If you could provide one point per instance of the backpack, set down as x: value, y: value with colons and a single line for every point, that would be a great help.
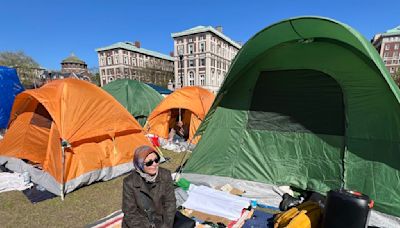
x: 305, y: 215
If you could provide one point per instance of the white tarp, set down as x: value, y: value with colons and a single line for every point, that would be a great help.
x: 271, y: 195
x: 13, y: 181
x: 215, y: 202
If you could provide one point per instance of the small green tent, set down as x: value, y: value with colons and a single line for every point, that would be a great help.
x: 137, y: 97
x: 307, y: 102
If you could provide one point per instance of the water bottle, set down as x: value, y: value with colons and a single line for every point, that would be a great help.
x: 253, y: 203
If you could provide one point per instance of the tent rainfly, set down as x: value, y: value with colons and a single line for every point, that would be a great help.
x: 137, y: 97
x: 10, y: 86
x: 69, y: 133
x: 307, y: 102
x: 190, y: 103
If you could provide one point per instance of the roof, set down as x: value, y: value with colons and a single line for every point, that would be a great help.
x: 73, y: 59
x: 200, y: 29
x: 131, y: 47
x: 391, y: 32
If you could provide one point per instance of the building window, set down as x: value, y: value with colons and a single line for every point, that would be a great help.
x: 191, y: 78
x: 202, y: 62
x: 125, y: 59
x: 116, y: 59
x: 180, y: 50
x: 212, y: 47
x: 396, y: 46
x: 191, y: 63
x: 102, y: 61
x: 202, y: 47
x: 385, y: 54
x: 133, y: 62
x: 387, y: 47
x: 212, y: 76
x: 213, y: 62
x: 190, y: 48
x: 109, y: 61
x: 202, y: 80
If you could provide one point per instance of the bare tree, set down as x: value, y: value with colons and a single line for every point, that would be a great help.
x: 26, y: 66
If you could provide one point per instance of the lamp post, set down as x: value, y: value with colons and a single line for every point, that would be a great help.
x: 181, y: 68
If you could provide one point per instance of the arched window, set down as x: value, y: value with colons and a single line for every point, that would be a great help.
x: 202, y: 80
x: 191, y: 78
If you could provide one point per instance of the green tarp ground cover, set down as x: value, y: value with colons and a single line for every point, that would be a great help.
x: 307, y: 102
x: 137, y: 97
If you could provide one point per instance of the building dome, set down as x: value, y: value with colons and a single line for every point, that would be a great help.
x: 73, y: 59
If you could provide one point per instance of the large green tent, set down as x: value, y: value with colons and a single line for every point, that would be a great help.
x: 307, y: 102
x: 137, y: 97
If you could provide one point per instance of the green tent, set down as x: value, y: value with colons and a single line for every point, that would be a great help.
x: 137, y: 97
x: 307, y: 102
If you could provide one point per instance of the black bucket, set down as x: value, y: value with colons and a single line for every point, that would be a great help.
x: 346, y: 209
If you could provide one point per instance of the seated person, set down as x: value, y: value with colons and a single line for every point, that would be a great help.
x: 179, y: 133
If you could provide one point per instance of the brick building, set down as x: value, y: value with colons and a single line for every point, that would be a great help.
x: 71, y: 67
x: 129, y: 60
x: 388, y: 46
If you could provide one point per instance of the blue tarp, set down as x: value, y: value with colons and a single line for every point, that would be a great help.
x: 10, y: 86
x: 159, y: 89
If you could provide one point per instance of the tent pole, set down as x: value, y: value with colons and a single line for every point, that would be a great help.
x: 180, y: 118
x: 62, y: 172
x: 64, y: 144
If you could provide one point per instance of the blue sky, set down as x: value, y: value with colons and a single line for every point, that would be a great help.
x: 49, y: 30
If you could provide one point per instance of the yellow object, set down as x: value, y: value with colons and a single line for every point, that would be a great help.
x: 306, y: 215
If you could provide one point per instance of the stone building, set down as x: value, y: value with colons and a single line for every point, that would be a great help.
x: 71, y: 67
x: 388, y: 46
x: 129, y: 60
x: 203, y: 55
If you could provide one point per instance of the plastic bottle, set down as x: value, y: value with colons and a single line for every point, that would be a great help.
x: 253, y: 203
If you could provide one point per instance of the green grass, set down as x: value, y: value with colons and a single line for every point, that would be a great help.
x: 81, y: 207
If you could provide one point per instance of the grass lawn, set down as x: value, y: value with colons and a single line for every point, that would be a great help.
x: 81, y: 207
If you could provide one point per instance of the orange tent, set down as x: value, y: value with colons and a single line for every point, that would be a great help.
x: 194, y: 103
x: 70, y: 133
